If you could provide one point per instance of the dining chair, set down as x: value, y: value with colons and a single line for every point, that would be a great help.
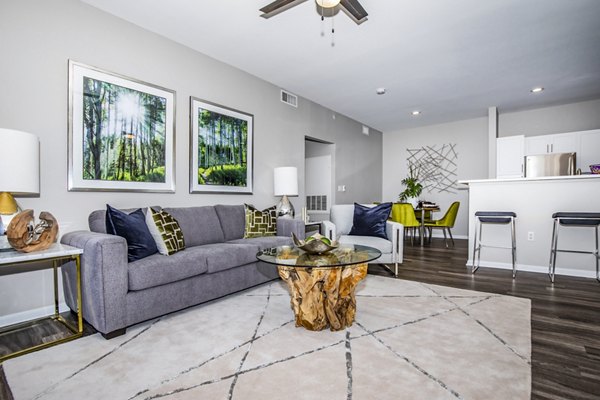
x: 445, y: 223
x: 404, y: 213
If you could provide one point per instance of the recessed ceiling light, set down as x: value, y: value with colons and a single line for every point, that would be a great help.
x: 537, y: 89
x: 380, y: 90
x: 416, y: 112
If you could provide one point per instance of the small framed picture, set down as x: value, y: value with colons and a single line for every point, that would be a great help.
x: 221, y: 141
x: 121, y: 133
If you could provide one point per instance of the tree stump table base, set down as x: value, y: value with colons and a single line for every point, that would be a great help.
x: 322, y: 297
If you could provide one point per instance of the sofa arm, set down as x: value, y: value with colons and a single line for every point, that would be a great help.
x: 328, y: 229
x: 285, y: 227
x: 395, y: 233
x: 103, y: 277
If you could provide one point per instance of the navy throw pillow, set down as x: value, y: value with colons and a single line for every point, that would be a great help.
x: 370, y: 221
x: 133, y: 228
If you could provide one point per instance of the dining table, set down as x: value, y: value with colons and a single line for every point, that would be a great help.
x: 423, y: 209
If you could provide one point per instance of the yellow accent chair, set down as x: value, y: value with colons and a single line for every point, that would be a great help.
x: 404, y: 213
x: 446, y: 222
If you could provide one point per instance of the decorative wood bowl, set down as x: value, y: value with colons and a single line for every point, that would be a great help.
x: 25, y: 235
x: 314, y: 246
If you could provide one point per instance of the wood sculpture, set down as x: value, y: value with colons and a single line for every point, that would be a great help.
x: 322, y: 297
x: 25, y: 235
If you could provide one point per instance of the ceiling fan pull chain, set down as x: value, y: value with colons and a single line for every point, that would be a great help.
x: 322, y: 23
x: 332, y: 31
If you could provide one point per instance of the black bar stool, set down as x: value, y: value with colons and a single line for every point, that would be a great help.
x: 581, y: 219
x: 494, y: 217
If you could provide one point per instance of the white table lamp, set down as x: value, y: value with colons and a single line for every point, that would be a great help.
x: 285, y: 183
x: 19, y: 172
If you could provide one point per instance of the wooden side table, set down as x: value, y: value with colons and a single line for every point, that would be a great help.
x: 58, y: 255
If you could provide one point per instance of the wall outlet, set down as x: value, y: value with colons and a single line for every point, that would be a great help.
x: 530, y: 236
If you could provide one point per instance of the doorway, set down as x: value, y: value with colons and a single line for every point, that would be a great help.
x: 318, y: 178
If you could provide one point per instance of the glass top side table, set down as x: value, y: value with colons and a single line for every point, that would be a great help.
x: 56, y: 255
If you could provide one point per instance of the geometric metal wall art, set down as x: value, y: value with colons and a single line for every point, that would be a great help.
x: 436, y: 167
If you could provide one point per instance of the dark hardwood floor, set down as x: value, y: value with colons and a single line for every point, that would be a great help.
x: 565, y: 317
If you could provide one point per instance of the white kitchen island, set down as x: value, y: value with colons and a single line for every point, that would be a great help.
x: 535, y: 200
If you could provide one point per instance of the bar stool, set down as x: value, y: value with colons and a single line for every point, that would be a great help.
x: 581, y: 219
x: 494, y: 217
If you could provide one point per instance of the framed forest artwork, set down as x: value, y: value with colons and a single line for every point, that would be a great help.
x: 121, y: 133
x: 221, y: 148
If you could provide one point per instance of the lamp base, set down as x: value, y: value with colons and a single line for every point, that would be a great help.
x: 285, y: 208
x: 8, y: 204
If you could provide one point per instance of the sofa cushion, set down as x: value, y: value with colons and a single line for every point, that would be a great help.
x: 165, y: 231
x: 383, y: 245
x: 260, y: 223
x: 133, y: 228
x: 233, y: 220
x: 370, y: 221
x: 264, y: 242
x: 200, y: 225
x: 97, y: 218
x: 158, y: 270
x: 220, y: 257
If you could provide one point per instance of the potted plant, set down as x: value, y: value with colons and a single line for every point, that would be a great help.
x: 413, y: 188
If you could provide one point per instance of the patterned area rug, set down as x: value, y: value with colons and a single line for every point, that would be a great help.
x: 410, y: 340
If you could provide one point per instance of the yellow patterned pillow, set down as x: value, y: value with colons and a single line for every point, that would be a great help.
x: 260, y: 223
x: 166, y: 232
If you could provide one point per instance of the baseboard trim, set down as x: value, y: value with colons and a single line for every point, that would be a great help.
x: 581, y: 273
x: 29, y: 315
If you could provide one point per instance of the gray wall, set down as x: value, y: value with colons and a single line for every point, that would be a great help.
x: 38, y: 37
x: 581, y: 116
x: 470, y: 137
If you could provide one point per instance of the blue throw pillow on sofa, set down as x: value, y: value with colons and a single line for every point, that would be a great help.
x: 133, y: 228
x: 370, y: 221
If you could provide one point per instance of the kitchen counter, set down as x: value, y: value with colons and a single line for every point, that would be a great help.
x: 539, y: 178
x: 534, y: 200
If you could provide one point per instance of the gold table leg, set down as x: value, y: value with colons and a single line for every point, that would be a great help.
x: 76, y: 331
x: 322, y: 297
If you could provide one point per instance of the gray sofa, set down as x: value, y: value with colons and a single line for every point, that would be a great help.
x: 217, y: 261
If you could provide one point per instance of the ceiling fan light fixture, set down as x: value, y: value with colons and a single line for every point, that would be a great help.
x: 328, y: 3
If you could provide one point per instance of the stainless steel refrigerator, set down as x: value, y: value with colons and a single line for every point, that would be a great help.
x: 550, y: 165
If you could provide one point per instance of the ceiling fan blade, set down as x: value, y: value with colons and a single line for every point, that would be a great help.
x: 354, y: 10
x: 278, y: 6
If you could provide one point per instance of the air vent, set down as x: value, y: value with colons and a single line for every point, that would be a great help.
x: 316, y: 203
x: 289, y: 98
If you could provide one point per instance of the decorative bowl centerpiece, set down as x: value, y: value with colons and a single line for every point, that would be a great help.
x: 595, y: 168
x: 315, y: 244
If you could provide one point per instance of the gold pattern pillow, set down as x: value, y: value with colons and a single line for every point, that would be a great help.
x: 260, y: 223
x: 166, y: 232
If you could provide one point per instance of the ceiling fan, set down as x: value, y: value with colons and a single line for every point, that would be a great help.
x: 351, y: 7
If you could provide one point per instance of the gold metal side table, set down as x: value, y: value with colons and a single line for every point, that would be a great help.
x: 56, y: 255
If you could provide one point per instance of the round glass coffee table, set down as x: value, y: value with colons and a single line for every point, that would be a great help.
x: 322, y: 285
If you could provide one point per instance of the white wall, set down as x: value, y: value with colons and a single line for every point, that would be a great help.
x: 534, y: 201
x: 38, y: 37
x: 470, y: 137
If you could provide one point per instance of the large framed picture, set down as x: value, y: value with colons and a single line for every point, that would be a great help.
x: 121, y: 133
x: 221, y: 148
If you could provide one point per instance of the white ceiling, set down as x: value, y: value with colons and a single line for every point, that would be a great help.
x: 451, y: 59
